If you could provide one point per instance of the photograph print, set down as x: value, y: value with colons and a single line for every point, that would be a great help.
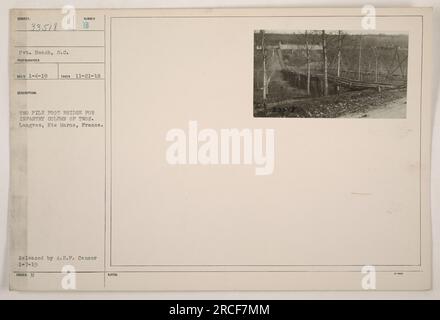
x: 330, y: 74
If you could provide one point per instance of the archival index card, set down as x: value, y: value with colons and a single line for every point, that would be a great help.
x: 220, y: 149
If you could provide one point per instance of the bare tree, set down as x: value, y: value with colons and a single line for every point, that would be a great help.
x: 338, y: 71
x: 376, y: 77
x: 263, y: 49
x: 360, y: 58
x: 324, y: 61
x: 308, y: 62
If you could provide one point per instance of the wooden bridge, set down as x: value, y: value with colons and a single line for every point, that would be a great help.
x: 273, y: 61
x: 351, y: 83
x: 348, y: 82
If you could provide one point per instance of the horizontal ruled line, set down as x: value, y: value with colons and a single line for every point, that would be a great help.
x: 26, y: 46
x: 36, y: 62
x: 61, y: 79
x: 59, y: 30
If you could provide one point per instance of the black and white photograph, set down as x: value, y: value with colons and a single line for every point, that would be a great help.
x: 213, y: 157
x: 330, y: 74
